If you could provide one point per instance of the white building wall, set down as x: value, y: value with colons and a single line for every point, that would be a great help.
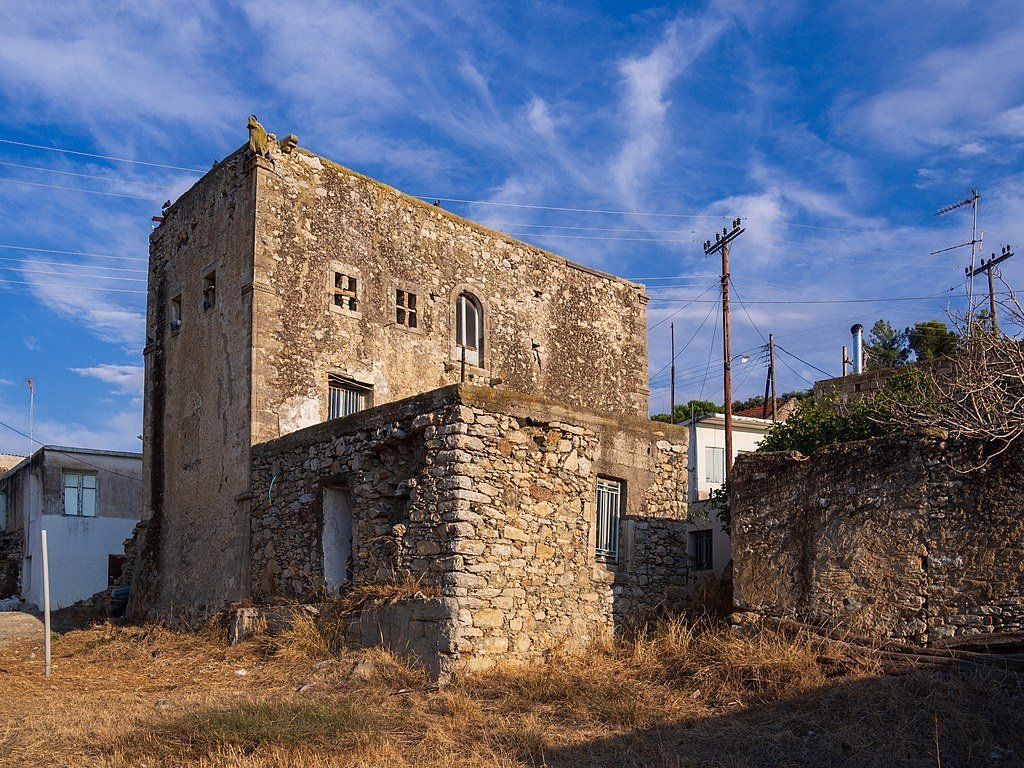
x: 747, y: 434
x: 78, y: 548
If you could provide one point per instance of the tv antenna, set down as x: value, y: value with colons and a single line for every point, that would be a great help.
x: 974, y: 242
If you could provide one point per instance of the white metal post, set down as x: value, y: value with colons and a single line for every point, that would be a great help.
x: 46, y: 603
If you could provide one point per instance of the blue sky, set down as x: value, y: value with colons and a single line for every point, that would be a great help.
x: 835, y: 130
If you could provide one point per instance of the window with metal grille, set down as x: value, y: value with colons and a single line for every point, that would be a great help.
x: 80, y: 494
x: 346, y: 396
x: 700, y: 550
x: 469, y: 329
x: 210, y: 290
x: 346, y: 291
x: 405, y: 309
x: 609, y: 512
x: 714, y: 464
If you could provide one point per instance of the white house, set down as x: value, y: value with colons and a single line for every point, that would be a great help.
x: 87, y: 501
x: 709, y: 544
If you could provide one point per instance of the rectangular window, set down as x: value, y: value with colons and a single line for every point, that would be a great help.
x: 176, y: 313
x: 346, y: 292
x: 714, y: 465
x: 405, y: 309
x: 80, y: 494
x: 210, y: 290
x: 347, y: 396
x: 609, y: 512
x: 700, y: 550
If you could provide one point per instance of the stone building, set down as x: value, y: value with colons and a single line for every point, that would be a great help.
x: 87, y: 501
x: 287, y: 294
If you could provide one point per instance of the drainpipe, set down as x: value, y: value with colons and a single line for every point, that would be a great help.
x: 858, y: 348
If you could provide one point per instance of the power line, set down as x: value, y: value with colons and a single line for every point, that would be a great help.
x: 100, y: 157
x: 809, y: 365
x: 798, y: 375
x: 818, y: 301
x: 77, y: 457
x: 72, y: 253
x: 677, y: 354
x: 571, y: 210
x: 79, y: 189
x: 71, y: 264
x: 72, y: 274
x: 680, y: 309
x: 70, y: 288
x: 113, y: 179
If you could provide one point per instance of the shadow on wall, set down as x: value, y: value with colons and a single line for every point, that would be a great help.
x: 894, y: 721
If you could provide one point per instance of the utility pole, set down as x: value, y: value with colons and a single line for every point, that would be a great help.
x: 672, y: 397
x: 721, y: 245
x: 31, y: 413
x: 771, y: 369
x: 987, y: 266
x: 974, y: 242
x: 846, y: 360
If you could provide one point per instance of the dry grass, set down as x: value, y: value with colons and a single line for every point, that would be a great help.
x: 676, y: 694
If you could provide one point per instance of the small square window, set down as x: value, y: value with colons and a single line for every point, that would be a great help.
x: 701, y: 550
x: 210, y: 291
x: 175, y: 319
x: 406, y: 312
x: 345, y: 292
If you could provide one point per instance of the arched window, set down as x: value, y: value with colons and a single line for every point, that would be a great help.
x: 469, y: 329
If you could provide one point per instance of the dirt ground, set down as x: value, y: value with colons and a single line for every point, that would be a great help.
x: 15, y: 626
x: 679, y: 695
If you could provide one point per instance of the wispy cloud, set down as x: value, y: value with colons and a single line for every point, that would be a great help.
x: 126, y: 379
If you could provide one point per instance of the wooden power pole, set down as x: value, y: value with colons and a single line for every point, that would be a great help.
x: 986, y: 266
x: 771, y: 369
x: 672, y: 397
x: 721, y: 245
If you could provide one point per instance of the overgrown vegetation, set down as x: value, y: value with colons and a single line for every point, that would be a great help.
x: 676, y: 693
x: 887, y: 347
x: 826, y: 422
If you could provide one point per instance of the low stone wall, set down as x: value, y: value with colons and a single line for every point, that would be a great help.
x: 894, y: 537
x: 489, y: 498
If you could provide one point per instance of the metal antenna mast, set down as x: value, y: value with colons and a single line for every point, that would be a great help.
x: 721, y: 245
x: 974, y: 242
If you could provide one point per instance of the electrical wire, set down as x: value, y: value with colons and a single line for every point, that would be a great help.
x: 84, y: 175
x: 100, y: 157
x: 73, y: 274
x: 680, y: 309
x: 677, y: 354
x: 809, y: 365
x: 69, y: 288
x: 77, y: 457
x: 572, y: 210
x: 78, y: 189
x: 72, y: 253
x: 70, y: 264
x: 820, y: 301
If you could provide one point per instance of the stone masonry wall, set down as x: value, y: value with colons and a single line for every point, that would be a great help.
x: 894, y: 537
x: 489, y: 498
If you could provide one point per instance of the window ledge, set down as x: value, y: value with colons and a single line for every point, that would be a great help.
x: 342, y: 311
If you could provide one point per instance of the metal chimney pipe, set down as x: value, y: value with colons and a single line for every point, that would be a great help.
x: 858, y: 348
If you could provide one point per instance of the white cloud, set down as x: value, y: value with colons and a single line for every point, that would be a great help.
x: 644, y: 104
x: 110, y: 430
x: 126, y: 379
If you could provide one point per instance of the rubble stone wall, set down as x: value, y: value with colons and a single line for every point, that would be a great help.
x: 489, y: 498
x: 902, y: 538
x: 11, y: 553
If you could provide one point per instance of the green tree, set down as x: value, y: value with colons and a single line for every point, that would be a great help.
x: 931, y: 338
x: 683, y: 411
x: 886, y: 347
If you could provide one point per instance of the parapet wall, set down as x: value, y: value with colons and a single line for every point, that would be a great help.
x: 489, y: 499
x: 893, y: 537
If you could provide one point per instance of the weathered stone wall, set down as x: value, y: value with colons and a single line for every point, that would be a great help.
x: 488, y: 497
x: 867, y: 384
x: 552, y: 328
x: 893, y: 537
x: 197, y: 399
